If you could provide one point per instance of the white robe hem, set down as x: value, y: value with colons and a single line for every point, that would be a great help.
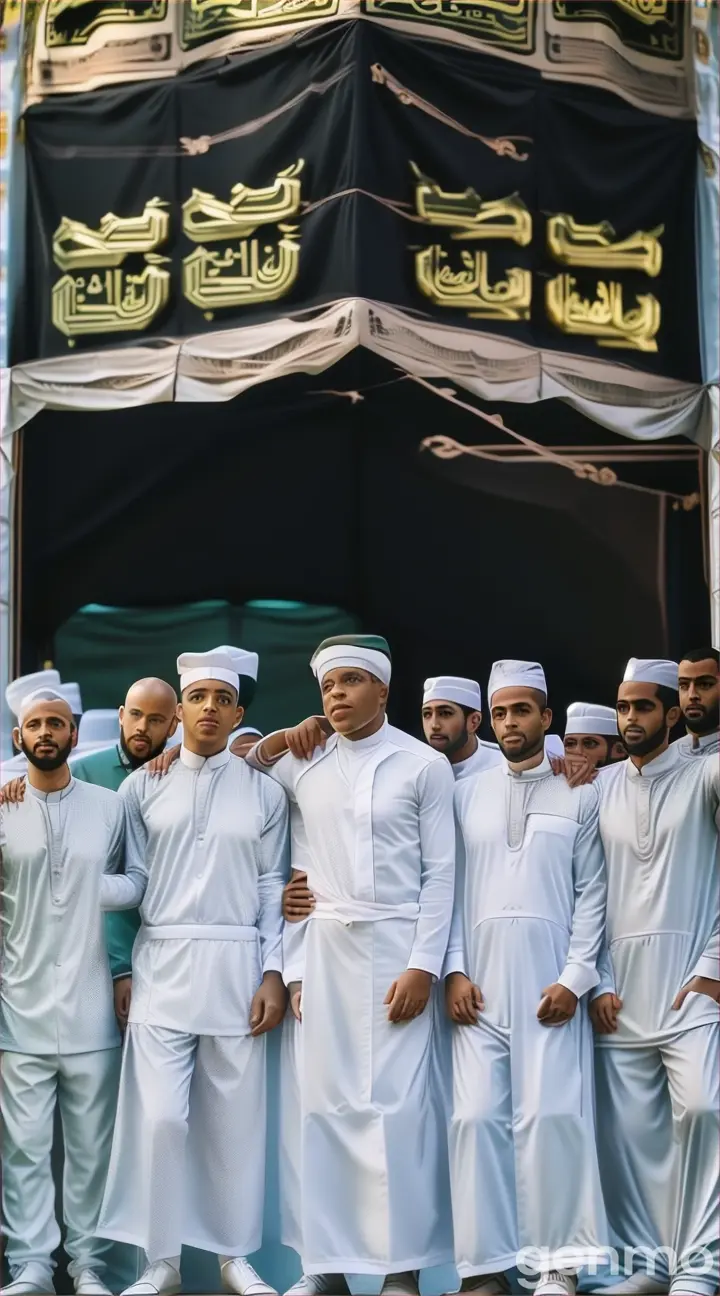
x: 214, y: 1248
x: 658, y: 1037
x: 376, y: 1268
x: 499, y: 1265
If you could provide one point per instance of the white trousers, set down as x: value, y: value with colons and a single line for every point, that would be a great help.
x: 84, y: 1086
x: 523, y: 1162
x: 290, y: 1133
x: 659, y: 1141
x: 188, y: 1156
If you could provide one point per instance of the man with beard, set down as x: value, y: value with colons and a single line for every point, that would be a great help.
x: 451, y: 717
x: 58, y: 1035
x: 527, y: 930
x: 656, y: 1007
x: 17, y: 690
x: 591, y: 732
x: 699, y: 689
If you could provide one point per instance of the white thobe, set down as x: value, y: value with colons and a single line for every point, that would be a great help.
x: 657, y: 1076
x: 486, y: 756
x: 529, y: 910
x: 188, y: 1159
x: 290, y: 1069
x: 707, y: 745
x: 379, y: 823
x: 58, y: 1034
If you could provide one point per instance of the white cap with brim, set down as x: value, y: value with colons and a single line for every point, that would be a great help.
x: 33, y: 699
x: 591, y: 718
x: 71, y: 693
x: 453, y: 688
x: 22, y: 687
x: 224, y: 664
x: 99, y: 727
x: 652, y: 670
x: 510, y: 673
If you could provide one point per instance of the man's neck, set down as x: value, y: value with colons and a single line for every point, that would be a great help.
x: 467, y: 750
x: 367, y: 731
x: 532, y: 762
x: 202, y: 749
x: 48, y: 780
x: 641, y: 761
x: 696, y: 737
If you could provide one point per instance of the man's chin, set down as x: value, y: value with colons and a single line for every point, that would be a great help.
x: 701, y: 724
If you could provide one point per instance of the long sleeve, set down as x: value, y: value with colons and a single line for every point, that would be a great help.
x: 437, y: 853
x: 274, y: 873
x: 456, y: 959
x: 708, y: 965
x: 126, y: 890
x: 606, y: 983
x: 580, y: 973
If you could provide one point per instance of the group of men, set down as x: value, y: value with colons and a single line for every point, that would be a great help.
x: 497, y: 973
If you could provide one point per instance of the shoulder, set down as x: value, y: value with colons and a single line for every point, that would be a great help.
x: 270, y: 792
x: 138, y: 783
x: 106, y: 801
x: 419, y: 751
x: 488, y: 782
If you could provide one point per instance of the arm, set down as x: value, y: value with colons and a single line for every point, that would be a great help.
x: 606, y: 983
x: 121, y: 928
x: 274, y: 870
x: 301, y: 742
x: 293, y: 941
x: 126, y: 890
x: 437, y: 862
x: 455, y: 959
x: 580, y: 973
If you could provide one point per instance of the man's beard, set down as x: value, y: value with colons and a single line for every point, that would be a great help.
x: 648, y: 744
x: 707, y: 723
x: 48, y: 763
x: 530, y: 748
x: 455, y: 744
x: 137, y: 761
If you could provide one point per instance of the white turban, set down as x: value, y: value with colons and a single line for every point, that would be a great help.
x: 32, y: 699
x: 225, y: 664
x: 516, y: 674
x: 21, y: 688
x: 652, y: 670
x: 338, y: 655
x: 591, y: 718
x: 453, y: 688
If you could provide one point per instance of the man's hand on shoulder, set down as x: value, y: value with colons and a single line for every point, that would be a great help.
x: 160, y: 765
x: 577, y: 770
x: 303, y: 740
x: 13, y: 792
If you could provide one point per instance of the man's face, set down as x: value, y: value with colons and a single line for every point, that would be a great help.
x: 597, y: 749
x: 446, y: 727
x: 352, y: 698
x: 48, y: 735
x: 519, y: 723
x: 147, y: 720
x: 699, y: 686
x: 642, y: 722
x: 210, y: 712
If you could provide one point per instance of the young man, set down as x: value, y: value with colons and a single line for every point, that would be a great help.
x: 17, y: 690
x: 527, y: 930
x: 376, y: 808
x: 210, y: 841
x: 451, y: 717
x: 58, y: 1035
x: 656, y: 1007
x: 591, y: 731
x: 699, y: 689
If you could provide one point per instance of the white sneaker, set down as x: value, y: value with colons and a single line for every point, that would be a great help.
x: 487, y: 1284
x: 159, y: 1279
x: 401, y: 1284
x: 638, y: 1284
x: 32, y: 1278
x: 319, y: 1285
x: 239, y: 1276
x: 556, y: 1283
x: 87, y: 1283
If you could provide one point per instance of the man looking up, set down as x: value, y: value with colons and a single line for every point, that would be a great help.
x: 376, y: 809
x: 210, y: 842
x: 451, y: 717
x: 58, y: 1036
x: 527, y: 929
x: 699, y: 689
x: 655, y: 1009
x: 591, y: 731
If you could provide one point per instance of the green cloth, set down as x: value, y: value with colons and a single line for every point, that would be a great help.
x: 107, y: 769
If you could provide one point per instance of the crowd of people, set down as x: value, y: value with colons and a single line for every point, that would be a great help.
x: 496, y: 969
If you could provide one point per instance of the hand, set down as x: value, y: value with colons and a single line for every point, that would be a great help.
x: 557, y: 1006
x: 577, y: 770
x: 161, y: 764
x: 13, y: 792
x: 306, y: 737
x: 699, y: 985
x: 603, y: 1013
x: 463, y: 999
x: 268, y: 1006
x: 122, y: 994
x: 298, y: 900
x: 242, y: 745
x: 295, y: 992
x: 408, y: 996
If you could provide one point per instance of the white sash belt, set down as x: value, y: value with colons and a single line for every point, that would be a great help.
x: 350, y: 911
x: 201, y: 931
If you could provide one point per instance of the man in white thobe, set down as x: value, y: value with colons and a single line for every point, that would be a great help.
x: 210, y: 839
x: 451, y: 717
x: 527, y: 930
x: 376, y: 807
x: 58, y: 1035
x: 699, y: 690
x: 655, y: 1008
x: 17, y: 690
x: 591, y: 732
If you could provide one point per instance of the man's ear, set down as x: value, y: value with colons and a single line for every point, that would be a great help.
x: 673, y: 717
x: 75, y: 735
x: 546, y: 719
x: 474, y: 721
x: 16, y: 739
x: 173, y: 725
x: 384, y: 693
x: 239, y: 713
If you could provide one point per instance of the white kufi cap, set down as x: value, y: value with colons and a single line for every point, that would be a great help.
x: 453, y: 688
x: 71, y: 693
x: 20, y: 688
x: 99, y: 727
x: 225, y: 664
x: 37, y: 695
x: 510, y: 673
x: 651, y: 670
x: 591, y: 718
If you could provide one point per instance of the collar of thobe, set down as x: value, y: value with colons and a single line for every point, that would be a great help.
x: 50, y: 797
x: 697, y: 744
x: 660, y: 765
x: 528, y: 775
x: 195, y: 762
x: 361, y: 745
